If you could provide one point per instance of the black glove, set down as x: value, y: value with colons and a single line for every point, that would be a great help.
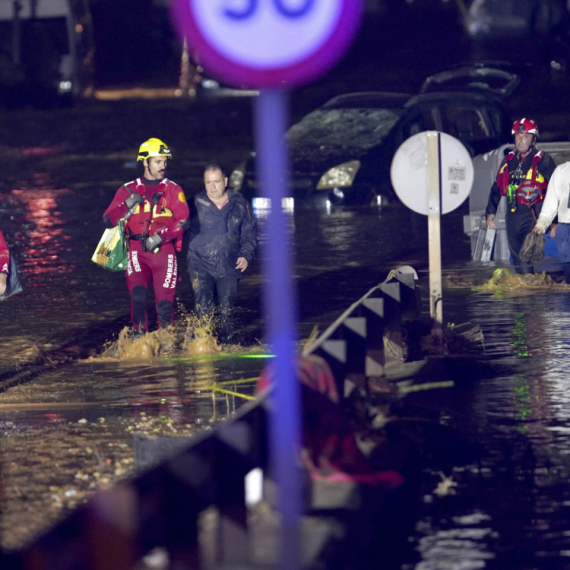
x: 134, y: 200
x: 151, y: 242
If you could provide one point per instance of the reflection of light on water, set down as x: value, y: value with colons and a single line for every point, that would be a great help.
x: 40, y: 151
x: 262, y: 206
x: 262, y: 211
x: 521, y: 333
x: 342, y: 234
x: 555, y: 376
x: 463, y: 547
x: 46, y: 236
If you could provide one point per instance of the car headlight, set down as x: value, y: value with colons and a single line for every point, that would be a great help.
x: 65, y: 86
x: 210, y: 84
x: 340, y: 176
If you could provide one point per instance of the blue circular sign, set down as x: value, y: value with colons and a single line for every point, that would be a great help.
x: 267, y: 43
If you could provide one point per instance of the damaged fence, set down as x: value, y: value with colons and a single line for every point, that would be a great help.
x: 188, y: 498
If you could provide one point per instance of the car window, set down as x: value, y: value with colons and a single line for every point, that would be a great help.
x: 465, y: 123
x: 496, y: 120
x: 344, y: 127
x: 426, y: 120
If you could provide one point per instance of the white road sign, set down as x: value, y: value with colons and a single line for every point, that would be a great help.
x: 409, y: 173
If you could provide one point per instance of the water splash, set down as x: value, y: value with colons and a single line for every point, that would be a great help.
x: 200, y: 337
x: 127, y: 347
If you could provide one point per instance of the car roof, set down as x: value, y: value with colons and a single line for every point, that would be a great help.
x: 368, y: 99
x: 382, y: 100
x: 456, y: 96
x: 497, y: 78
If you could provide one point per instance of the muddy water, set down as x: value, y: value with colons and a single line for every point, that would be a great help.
x: 69, y: 408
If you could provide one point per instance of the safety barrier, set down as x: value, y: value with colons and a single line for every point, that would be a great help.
x: 163, y: 505
x: 367, y: 339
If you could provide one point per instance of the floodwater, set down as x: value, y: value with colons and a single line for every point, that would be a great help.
x: 509, y: 508
x: 68, y: 410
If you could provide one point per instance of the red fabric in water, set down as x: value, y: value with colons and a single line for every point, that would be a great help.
x: 330, y: 451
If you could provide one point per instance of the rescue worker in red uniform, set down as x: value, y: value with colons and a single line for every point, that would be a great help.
x: 523, y: 178
x: 157, y: 215
x: 4, y: 264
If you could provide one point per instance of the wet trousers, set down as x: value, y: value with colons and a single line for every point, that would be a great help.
x: 563, y: 245
x: 215, y: 297
x: 161, y: 270
x: 519, y: 224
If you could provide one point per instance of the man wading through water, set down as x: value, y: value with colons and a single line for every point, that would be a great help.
x: 157, y: 217
x: 523, y: 178
x: 222, y: 243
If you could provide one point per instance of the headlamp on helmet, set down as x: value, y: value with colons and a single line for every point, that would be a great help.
x: 153, y: 147
x: 525, y: 126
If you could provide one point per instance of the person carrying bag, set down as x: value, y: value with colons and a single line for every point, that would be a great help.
x: 157, y: 215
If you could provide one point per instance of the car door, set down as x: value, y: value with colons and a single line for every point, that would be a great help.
x: 420, y: 119
x: 470, y: 124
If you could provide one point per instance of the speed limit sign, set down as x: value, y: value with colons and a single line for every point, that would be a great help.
x: 267, y: 43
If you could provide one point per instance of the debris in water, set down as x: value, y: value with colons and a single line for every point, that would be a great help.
x: 445, y: 486
x: 506, y: 281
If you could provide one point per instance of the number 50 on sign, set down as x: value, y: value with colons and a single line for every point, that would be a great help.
x: 267, y: 43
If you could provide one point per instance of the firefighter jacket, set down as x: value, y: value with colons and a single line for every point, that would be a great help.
x: 4, y: 256
x: 164, y: 210
x: 217, y: 237
x: 530, y: 176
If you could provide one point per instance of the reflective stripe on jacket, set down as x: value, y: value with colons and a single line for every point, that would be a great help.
x: 532, y: 179
x: 4, y: 255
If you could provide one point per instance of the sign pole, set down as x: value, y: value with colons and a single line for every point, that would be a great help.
x: 280, y: 309
x: 417, y: 177
x: 434, y: 230
x: 249, y: 44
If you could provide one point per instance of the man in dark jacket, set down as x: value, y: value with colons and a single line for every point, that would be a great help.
x: 223, y: 240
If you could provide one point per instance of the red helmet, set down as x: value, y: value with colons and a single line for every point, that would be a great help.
x: 525, y: 126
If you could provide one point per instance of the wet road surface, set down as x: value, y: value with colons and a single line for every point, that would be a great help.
x: 67, y: 414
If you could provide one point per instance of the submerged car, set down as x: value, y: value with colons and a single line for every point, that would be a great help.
x: 342, y: 151
x: 490, y: 20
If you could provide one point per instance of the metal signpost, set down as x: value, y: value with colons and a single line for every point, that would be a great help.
x: 273, y: 45
x: 432, y: 174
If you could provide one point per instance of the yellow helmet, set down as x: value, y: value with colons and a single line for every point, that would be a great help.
x: 153, y: 147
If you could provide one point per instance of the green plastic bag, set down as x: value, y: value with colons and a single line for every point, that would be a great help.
x: 111, y: 251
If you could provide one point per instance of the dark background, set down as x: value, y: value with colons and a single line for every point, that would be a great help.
x: 135, y: 41
x: 399, y: 44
